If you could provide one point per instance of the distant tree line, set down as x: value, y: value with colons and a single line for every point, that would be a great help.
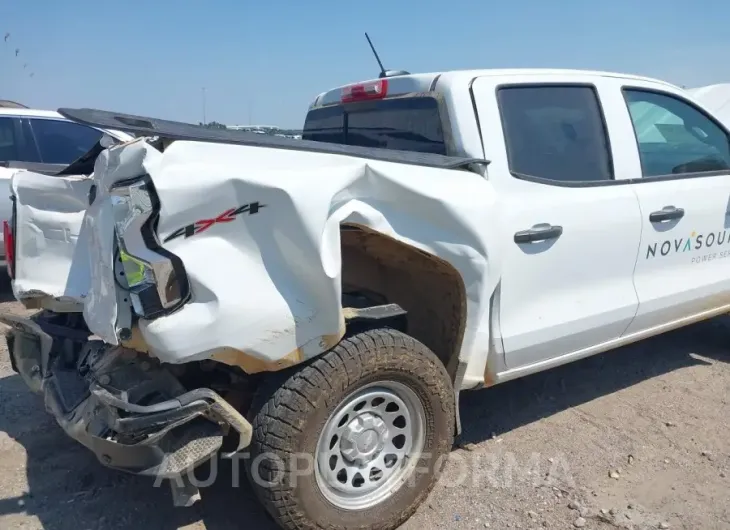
x: 270, y: 131
x: 290, y: 132
x: 213, y: 125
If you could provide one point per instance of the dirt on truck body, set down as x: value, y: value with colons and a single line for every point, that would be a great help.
x: 325, y: 302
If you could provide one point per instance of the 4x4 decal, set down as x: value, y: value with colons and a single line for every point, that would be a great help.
x: 226, y: 217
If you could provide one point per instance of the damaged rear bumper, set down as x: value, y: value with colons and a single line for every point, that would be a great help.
x: 133, y: 414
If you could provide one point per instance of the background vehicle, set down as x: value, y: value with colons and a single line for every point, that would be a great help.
x: 42, y: 140
x: 454, y: 231
x: 715, y: 98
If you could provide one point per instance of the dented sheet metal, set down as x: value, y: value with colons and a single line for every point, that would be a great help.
x: 49, y: 216
x: 258, y: 231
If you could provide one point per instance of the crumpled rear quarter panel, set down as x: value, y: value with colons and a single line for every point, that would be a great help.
x: 268, y: 283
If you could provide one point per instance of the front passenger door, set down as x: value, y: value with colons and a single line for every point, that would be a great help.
x: 683, y: 268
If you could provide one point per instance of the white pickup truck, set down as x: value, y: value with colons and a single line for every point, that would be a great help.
x: 330, y: 298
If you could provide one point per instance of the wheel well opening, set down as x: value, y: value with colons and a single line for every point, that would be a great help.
x: 428, y: 288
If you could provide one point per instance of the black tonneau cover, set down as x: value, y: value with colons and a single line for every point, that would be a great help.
x: 140, y: 125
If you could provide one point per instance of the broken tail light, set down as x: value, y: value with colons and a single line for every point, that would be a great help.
x: 154, y: 277
x: 9, y: 242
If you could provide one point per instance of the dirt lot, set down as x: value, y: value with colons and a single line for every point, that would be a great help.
x: 637, y: 438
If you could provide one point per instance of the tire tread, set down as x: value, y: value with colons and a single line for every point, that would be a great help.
x: 282, y: 407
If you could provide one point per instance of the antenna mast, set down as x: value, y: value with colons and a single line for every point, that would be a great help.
x: 377, y: 58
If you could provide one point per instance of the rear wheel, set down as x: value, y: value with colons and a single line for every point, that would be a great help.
x: 357, y: 438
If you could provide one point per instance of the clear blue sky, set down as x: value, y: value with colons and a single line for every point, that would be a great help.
x: 273, y: 56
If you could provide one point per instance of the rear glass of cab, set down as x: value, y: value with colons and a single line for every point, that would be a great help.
x: 406, y: 124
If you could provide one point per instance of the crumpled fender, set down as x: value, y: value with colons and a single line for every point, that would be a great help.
x: 52, y: 269
x: 258, y: 232
x: 266, y: 283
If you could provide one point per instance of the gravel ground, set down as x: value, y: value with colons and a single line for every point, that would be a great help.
x: 636, y: 438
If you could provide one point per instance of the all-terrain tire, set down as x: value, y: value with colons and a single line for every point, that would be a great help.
x: 288, y: 417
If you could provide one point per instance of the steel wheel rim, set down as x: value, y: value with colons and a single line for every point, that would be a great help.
x: 370, y: 445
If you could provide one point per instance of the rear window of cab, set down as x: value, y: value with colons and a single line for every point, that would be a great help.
x: 405, y: 123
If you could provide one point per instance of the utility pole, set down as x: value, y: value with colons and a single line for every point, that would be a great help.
x: 204, y: 106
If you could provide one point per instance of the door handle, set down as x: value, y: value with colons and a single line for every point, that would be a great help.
x: 668, y: 213
x: 540, y: 232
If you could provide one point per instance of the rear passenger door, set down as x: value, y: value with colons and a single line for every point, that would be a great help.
x: 571, y: 223
x: 683, y: 268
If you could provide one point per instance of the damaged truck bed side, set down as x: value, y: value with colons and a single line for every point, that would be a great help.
x: 331, y: 298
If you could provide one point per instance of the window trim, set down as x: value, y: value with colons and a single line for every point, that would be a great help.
x: 706, y: 114
x: 476, y: 115
x: 359, y: 106
x: 604, y: 126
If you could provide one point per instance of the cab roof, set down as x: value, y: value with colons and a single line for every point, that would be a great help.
x: 426, y: 82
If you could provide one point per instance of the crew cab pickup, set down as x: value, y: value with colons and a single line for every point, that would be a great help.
x: 322, y: 303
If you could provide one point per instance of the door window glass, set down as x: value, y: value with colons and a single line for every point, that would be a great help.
x: 674, y: 137
x: 555, y: 133
x: 62, y: 142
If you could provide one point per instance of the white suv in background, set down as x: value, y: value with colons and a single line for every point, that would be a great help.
x: 42, y: 137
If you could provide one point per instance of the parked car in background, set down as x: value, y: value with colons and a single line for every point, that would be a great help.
x: 715, y: 98
x: 40, y: 140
